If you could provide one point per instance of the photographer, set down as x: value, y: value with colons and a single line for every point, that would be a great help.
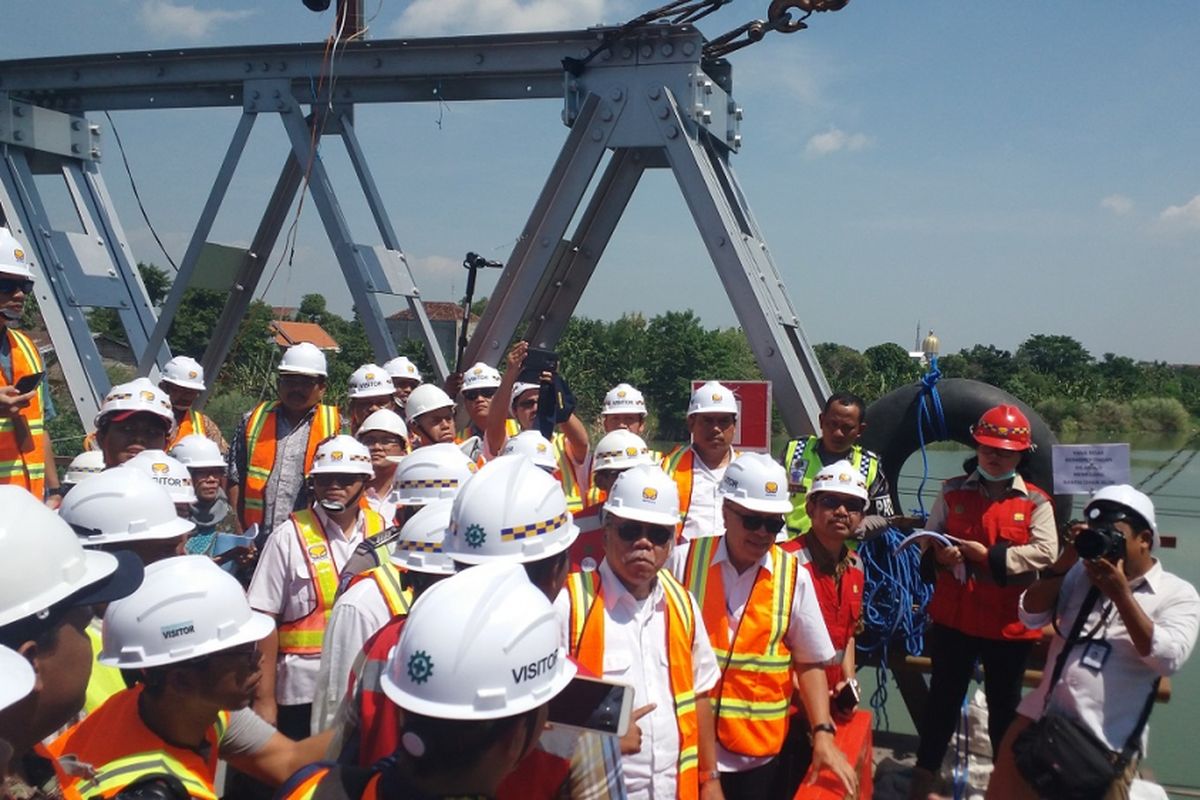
x: 1126, y: 622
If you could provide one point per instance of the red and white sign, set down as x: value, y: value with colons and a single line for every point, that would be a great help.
x: 753, y: 431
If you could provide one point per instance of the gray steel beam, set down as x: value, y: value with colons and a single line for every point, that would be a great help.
x: 552, y: 213
x: 375, y: 201
x: 572, y: 272
x: 330, y: 211
x: 207, y: 216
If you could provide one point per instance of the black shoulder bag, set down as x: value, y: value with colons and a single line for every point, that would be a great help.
x: 1059, y: 757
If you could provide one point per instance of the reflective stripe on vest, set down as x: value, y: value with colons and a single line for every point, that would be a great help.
x: 566, y: 471
x: 586, y: 633
x: 387, y: 580
x: 261, y: 445
x: 678, y: 464
x: 803, y: 463
x: 751, y: 705
x: 305, y: 635
x: 24, y: 464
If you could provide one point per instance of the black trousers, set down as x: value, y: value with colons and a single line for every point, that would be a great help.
x: 753, y: 784
x: 953, y: 655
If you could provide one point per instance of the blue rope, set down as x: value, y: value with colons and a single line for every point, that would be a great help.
x: 935, y: 420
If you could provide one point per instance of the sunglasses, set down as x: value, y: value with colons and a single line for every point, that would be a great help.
x: 753, y: 522
x: 658, y: 535
x: 475, y: 394
x: 854, y: 505
x: 340, y: 478
x: 12, y: 285
x: 527, y: 403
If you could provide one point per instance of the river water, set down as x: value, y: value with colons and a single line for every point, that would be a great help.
x: 1172, y: 751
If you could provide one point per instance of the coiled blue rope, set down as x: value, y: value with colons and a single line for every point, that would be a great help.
x: 929, y: 413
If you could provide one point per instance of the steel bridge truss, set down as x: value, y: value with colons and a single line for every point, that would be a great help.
x: 648, y: 100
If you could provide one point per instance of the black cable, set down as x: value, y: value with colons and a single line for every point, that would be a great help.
x: 137, y: 195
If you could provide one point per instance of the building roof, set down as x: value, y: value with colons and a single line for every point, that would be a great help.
x: 283, y: 312
x: 437, y: 310
x: 290, y: 333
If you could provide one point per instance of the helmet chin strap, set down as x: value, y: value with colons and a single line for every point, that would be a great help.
x: 333, y: 506
x: 10, y: 315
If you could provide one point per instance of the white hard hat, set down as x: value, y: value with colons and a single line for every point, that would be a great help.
x: 483, y: 644
x: 623, y: 399
x: 304, y: 358
x: 186, y: 607
x: 196, y: 451
x: 419, y: 548
x: 137, y: 395
x: 520, y: 388
x: 185, y: 372
x: 645, y: 494
x: 757, y: 482
x: 713, y: 398
x: 620, y: 449
x: 169, y: 473
x: 369, y: 380
x: 426, y: 398
x: 122, y: 505
x: 841, y: 477
x: 510, y: 510
x: 44, y: 562
x: 1125, y: 495
x: 434, y: 472
x: 401, y: 367
x: 481, y: 376
x: 16, y: 675
x: 12, y: 256
x: 534, y: 445
x: 84, y: 465
x: 384, y: 420
x: 342, y: 455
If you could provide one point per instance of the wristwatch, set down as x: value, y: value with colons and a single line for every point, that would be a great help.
x: 824, y: 727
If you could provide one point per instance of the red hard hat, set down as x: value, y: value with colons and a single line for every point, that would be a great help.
x: 1003, y: 427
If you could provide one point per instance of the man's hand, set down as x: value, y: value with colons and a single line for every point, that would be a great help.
x: 975, y: 552
x: 516, y: 356
x: 1108, y: 577
x: 840, y: 715
x: 12, y: 401
x: 711, y: 790
x: 53, y: 502
x: 826, y: 754
x: 947, y: 555
x: 453, y: 384
x: 631, y: 742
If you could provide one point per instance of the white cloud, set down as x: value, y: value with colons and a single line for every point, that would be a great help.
x: 834, y: 140
x: 1118, y: 204
x: 168, y: 20
x: 1186, y: 215
x: 432, y: 17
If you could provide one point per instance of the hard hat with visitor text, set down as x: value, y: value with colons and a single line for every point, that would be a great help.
x: 120, y: 505
x: 169, y: 473
x: 369, y: 380
x: 623, y: 399
x: 480, y: 376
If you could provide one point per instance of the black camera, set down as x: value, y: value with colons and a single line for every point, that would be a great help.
x: 1100, y: 542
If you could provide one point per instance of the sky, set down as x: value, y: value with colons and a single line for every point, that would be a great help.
x: 987, y: 170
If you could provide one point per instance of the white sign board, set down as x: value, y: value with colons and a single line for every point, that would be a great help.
x: 1084, y: 468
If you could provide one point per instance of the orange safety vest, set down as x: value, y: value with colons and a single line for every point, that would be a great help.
x: 981, y: 607
x: 566, y: 473
x: 193, y: 422
x: 121, y: 750
x: 304, y: 636
x: 260, y: 444
x: 679, y: 464
x: 23, y: 463
x: 387, y: 580
x: 752, y: 695
x: 587, y: 647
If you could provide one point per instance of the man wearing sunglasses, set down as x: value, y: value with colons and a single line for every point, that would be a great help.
x: 479, y: 385
x: 25, y: 448
x: 631, y: 621
x: 698, y: 467
x: 296, y: 580
x: 189, y: 639
x: 746, y: 586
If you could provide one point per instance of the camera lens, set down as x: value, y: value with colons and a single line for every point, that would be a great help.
x: 1091, y: 543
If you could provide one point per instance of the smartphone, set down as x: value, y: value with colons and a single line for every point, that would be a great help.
x: 29, y: 382
x: 538, y: 361
x: 847, y: 699
x: 590, y: 704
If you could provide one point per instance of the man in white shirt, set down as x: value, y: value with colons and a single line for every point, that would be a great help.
x: 297, y: 579
x: 698, y: 468
x: 1141, y: 625
x: 632, y: 622
x: 745, y: 584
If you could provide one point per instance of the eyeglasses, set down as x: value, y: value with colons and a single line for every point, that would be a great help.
x: 658, y: 535
x: 341, y: 478
x: 527, y: 403
x: 855, y: 505
x: 475, y: 394
x: 753, y: 522
x: 14, y: 285
x: 292, y: 379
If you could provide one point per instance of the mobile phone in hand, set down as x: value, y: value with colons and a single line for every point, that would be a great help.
x: 29, y: 382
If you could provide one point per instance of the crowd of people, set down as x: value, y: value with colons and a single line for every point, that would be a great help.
x: 381, y: 603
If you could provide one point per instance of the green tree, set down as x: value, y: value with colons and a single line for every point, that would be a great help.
x: 989, y: 364
x: 312, y: 309
x: 1059, y: 357
x: 846, y: 369
x: 891, y: 368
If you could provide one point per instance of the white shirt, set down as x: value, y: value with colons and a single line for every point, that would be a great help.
x: 1108, y: 701
x: 282, y: 586
x: 381, y: 505
x: 807, y: 636
x: 359, y: 612
x: 635, y: 653
x: 704, y: 511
